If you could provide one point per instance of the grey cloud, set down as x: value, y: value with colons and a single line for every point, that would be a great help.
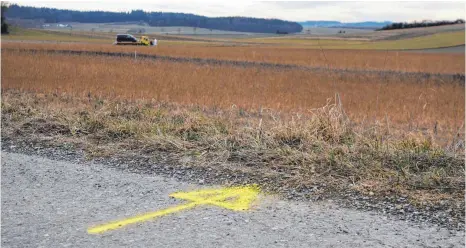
x: 299, y: 4
x: 288, y: 10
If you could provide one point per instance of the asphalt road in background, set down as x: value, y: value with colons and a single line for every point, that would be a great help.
x: 49, y: 203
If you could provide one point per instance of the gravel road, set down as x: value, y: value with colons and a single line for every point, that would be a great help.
x: 48, y: 203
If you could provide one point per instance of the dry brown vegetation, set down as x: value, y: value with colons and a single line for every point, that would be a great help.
x: 341, y: 59
x: 324, y: 150
x: 400, y: 101
x: 379, y: 133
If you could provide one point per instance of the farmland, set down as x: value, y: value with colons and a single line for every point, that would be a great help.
x: 333, y: 59
x: 50, y: 36
x: 377, y: 123
x: 424, y: 38
x: 248, y: 88
x: 425, y: 41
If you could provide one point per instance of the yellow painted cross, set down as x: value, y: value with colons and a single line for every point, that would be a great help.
x: 233, y: 198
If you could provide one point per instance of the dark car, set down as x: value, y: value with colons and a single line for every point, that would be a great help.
x: 125, y: 38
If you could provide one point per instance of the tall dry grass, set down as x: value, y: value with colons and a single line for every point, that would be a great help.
x: 324, y: 150
x: 284, y: 129
x: 408, y: 102
x: 341, y: 59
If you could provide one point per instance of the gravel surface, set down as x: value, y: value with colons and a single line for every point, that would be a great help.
x: 442, y: 215
x: 48, y: 203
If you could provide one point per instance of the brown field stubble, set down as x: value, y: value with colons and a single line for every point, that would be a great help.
x: 340, y: 59
x: 400, y: 102
x: 225, y: 118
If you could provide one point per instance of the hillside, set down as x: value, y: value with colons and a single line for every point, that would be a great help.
x: 422, y: 24
x: 161, y: 19
x: 337, y: 24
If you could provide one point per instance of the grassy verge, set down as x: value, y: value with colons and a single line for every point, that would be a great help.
x: 396, y: 136
x: 324, y: 149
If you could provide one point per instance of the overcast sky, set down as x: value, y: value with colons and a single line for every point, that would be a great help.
x: 287, y: 10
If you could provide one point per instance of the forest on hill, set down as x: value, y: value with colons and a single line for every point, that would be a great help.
x: 423, y: 24
x: 162, y: 19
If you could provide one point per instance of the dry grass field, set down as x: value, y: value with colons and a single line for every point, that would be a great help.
x: 373, y: 133
x: 410, y: 101
x: 339, y: 59
x: 417, y: 38
x: 409, y: 39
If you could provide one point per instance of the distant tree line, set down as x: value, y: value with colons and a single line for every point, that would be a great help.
x: 4, y: 24
x: 242, y: 24
x: 402, y: 25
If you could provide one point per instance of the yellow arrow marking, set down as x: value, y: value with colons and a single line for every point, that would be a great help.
x: 234, y: 198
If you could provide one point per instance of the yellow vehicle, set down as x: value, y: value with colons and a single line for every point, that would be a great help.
x: 127, y: 39
x: 145, y: 41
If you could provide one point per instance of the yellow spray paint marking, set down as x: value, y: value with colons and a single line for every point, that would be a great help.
x: 234, y: 198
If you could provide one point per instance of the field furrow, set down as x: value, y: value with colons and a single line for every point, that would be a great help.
x: 364, y: 60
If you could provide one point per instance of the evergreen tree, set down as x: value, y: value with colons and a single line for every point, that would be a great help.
x: 241, y: 24
x: 4, y: 24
